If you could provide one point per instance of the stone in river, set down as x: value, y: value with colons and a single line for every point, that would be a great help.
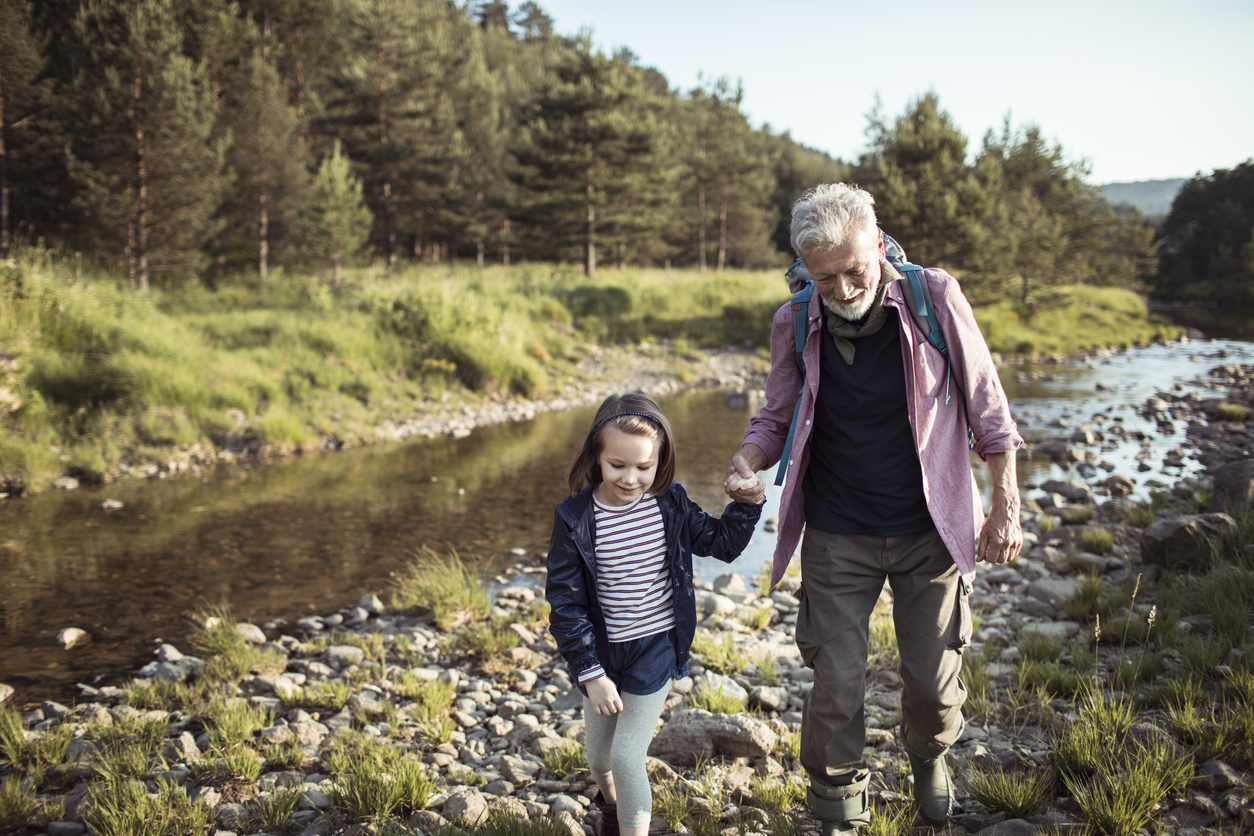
x: 72, y: 637
x: 251, y: 633
x: 6, y: 691
x: 371, y: 604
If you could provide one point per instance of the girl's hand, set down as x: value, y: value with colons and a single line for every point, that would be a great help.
x: 603, y: 695
x: 748, y: 490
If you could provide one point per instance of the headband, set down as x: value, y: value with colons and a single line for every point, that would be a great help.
x: 623, y: 414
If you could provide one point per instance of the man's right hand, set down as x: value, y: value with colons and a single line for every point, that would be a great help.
x: 747, y: 462
x: 603, y: 695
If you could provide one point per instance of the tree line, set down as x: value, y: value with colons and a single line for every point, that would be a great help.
x: 181, y: 139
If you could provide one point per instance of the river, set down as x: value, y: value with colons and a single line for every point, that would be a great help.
x: 312, y: 535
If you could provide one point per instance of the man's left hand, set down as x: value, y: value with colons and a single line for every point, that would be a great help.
x: 1001, y: 537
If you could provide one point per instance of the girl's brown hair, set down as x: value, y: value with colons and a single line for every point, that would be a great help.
x: 648, y: 420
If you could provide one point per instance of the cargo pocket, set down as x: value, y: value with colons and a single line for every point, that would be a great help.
x: 807, y: 635
x: 960, y: 625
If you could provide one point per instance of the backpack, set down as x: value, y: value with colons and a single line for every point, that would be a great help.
x: 918, y: 300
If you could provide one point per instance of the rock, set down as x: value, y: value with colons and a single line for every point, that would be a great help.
x: 1186, y: 543
x: 715, y: 604
x: 1233, y: 489
x: 1145, y: 736
x: 313, y: 798
x: 251, y: 633
x: 1215, y: 775
x: 65, y: 828
x: 519, y: 770
x: 1055, y: 591
x: 230, y: 816
x: 730, y: 582
x: 693, y: 733
x: 499, y: 788
x: 1119, y: 486
x: 568, y: 824
x: 110, y: 505
x: 465, y: 806
x: 181, y: 749
x: 72, y: 637
x: 167, y: 672
x: 168, y: 653
x: 66, y: 483
x: 341, y: 656
x: 770, y: 697
x: 1011, y: 827
x: 525, y: 681
x: 371, y: 604
x: 561, y: 803
x: 715, y: 683
x: 660, y: 771
x: 525, y: 635
x: 429, y: 821
x: 1056, y: 631
x: 6, y: 691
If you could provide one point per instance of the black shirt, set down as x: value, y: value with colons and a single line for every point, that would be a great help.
x: 864, y: 475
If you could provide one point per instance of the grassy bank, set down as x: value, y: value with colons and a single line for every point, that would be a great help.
x: 96, y: 380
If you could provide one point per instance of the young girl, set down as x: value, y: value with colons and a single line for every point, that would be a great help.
x: 620, y: 588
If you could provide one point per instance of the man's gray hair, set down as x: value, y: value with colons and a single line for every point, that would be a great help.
x: 825, y: 217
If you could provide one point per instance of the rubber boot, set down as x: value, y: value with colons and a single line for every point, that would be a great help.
x: 933, y: 789
x: 609, y: 816
x: 842, y: 809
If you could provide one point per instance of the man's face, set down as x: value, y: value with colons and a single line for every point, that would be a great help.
x: 847, y: 277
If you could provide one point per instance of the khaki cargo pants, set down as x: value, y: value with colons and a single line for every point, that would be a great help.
x: 842, y: 575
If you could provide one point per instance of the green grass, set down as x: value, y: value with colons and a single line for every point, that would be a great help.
x: 123, y: 807
x: 402, y: 786
x: 232, y: 722
x: 719, y: 655
x: 882, y: 642
x: 1233, y: 412
x: 1084, y: 602
x: 789, y: 745
x: 890, y: 820
x: 17, y: 803
x: 1017, y: 794
x: 144, y: 695
x: 1138, y: 514
x: 567, y: 759
x: 1097, y: 540
x: 442, y: 585
x: 30, y: 757
x: 1035, y: 647
x: 240, y: 762
x: 272, y: 811
x: 715, y: 702
x: 329, y: 695
x: 231, y: 656
x: 1088, y: 317
x: 778, y: 794
x: 670, y: 801
x: 768, y: 667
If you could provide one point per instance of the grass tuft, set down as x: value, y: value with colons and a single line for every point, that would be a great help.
x: 443, y: 586
x: 567, y: 759
x: 1016, y: 794
x: 777, y: 795
x: 1097, y: 540
x: 719, y: 655
x: 715, y: 702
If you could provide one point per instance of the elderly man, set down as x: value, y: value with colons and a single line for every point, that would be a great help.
x: 881, y: 480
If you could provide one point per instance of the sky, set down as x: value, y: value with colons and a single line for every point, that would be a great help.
x: 1142, y: 90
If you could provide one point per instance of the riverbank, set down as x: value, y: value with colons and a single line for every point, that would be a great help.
x: 98, y: 384
x: 1109, y: 680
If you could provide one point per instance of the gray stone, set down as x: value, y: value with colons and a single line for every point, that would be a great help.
x: 429, y: 821
x: 715, y: 604
x: 716, y: 683
x: 569, y: 824
x: 1216, y: 775
x: 6, y: 691
x: 230, y: 816
x: 250, y: 633
x: 1119, y: 486
x: 65, y: 828
x: 730, y: 582
x: 80, y: 749
x: 318, y: 828
x: 313, y: 798
x: 1055, y: 591
x: 499, y: 788
x: 309, y: 733
x: 1073, y: 490
x: 168, y: 653
x: 692, y: 733
x: 1186, y: 543
x: 343, y: 655
x: 1057, y: 631
x: 519, y: 770
x: 181, y: 749
x: 559, y: 804
x: 65, y: 483
x: 371, y: 604
x: 72, y: 637
x: 169, y: 672
x: 1233, y: 490
x: 1034, y: 606
x: 465, y: 806
x: 770, y: 697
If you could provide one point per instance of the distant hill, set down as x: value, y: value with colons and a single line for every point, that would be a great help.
x: 1152, y: 197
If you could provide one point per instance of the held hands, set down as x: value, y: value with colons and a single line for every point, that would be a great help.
x: 749, y: 490
x: 603, y: 695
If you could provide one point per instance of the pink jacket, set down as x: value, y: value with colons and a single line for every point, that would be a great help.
x: 940, y: 429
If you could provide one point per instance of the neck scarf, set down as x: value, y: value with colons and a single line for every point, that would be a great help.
x: 842, y: 330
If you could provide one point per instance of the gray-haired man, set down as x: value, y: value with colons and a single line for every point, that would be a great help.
x: 881, y: 480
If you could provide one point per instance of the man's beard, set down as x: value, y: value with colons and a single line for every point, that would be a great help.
x: 855, y: 310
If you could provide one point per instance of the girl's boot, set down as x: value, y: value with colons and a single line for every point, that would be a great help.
x: 609, y: 816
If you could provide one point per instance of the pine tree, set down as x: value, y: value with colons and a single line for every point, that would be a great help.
x: 23, y: 101
x: 585, y: 155
x: 335, y: 222
x: 267, y: 159
x: 1207, y: 249
x: 144, y: 158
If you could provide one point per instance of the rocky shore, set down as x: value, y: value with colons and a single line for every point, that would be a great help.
x: 1107, y: 611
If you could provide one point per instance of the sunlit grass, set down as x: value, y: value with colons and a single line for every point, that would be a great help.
x: 442, y: 585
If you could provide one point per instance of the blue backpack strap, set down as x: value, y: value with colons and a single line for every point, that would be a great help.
x: 800, y: 310
x: 925, y: 317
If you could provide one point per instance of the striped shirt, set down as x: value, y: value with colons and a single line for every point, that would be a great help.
x: 633, y: 577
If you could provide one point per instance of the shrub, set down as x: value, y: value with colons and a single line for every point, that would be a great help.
x: 1097, y: 540
x: 443, y: 586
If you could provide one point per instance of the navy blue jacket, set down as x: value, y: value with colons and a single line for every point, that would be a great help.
x: 575, y: 619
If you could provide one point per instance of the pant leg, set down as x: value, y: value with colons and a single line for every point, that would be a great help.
x: 932, y: 619
x: 842, y: 575
x: 632, y: 735
x: 598, y: 739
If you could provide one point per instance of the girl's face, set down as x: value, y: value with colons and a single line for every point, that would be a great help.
x: 628, y: 464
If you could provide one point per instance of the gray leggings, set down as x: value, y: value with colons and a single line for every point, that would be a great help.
x: 617, y: 745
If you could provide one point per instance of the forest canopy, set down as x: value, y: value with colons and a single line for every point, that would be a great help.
x: 187, y: 140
